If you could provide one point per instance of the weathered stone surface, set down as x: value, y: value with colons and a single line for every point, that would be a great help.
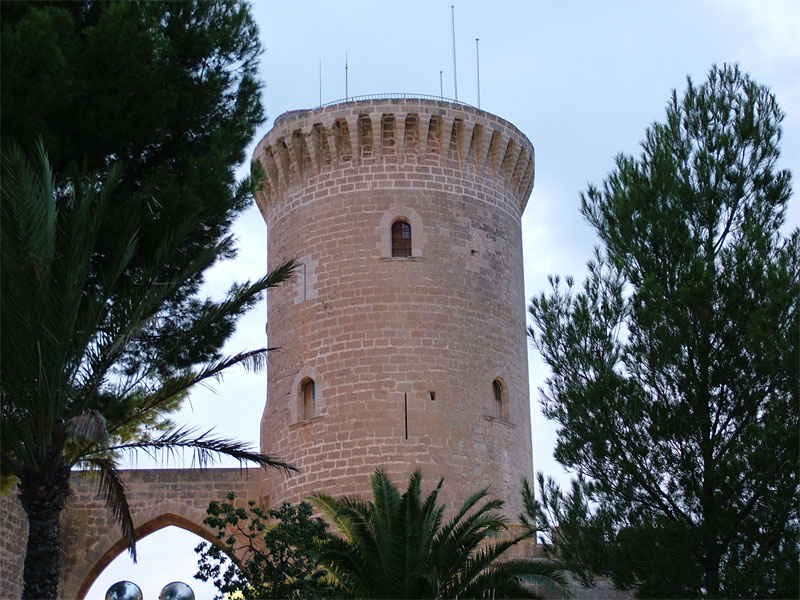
x: 157, y: 497
x: 13, y: 538
x: 377, y: 334
x: 91, y: 538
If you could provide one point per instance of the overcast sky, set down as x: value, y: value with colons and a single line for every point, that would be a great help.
x: 581, y: 79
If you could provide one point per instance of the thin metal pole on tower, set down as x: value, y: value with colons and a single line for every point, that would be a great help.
x: 320, y: 81
x: 405, y: 410
x: 478, y: 65
x: 441, y: 86
x: 453, y: 24
x: 346, y: 90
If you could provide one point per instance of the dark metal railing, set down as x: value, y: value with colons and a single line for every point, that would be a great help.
x: 401, y: 96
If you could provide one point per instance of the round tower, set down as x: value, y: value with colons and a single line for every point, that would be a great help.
x: 402, y: 337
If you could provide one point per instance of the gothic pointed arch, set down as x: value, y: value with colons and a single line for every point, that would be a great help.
x: 119, y: 546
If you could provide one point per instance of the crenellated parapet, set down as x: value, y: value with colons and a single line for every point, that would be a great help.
x: 410, y: 133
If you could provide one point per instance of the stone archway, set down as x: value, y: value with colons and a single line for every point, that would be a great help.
x: 157, y: 498
x: 143, y: 530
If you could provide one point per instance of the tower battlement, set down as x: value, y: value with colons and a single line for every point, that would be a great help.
x: 471, y: 143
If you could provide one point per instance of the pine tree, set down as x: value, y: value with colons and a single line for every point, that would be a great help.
x: 167, y: 90
x: 675, y: 370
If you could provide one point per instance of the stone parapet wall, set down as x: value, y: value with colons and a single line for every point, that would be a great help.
x: 473, y: 145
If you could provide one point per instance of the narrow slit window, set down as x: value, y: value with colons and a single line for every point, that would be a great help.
x: 309, y: 395
x: 401, y: 239
x: 497, y: 389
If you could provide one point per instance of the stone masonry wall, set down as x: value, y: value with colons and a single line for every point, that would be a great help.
x: 91, y: 538
x: 13, y: 538
x: 402, y: 351
x: 157, y: 498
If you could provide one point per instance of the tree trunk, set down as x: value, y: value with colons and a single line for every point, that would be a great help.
x: 43, y: 500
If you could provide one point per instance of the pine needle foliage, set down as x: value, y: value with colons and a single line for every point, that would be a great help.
x: 675, y: 374
x: 166, y: 94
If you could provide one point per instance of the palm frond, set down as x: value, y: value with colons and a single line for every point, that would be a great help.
x: 253, y: 360
x: 364, y: 563
x: 433, y: 515
x: 386, y: 498
x: 80, y: 307
x: 28, y: 221
x: 112, y: 489
x: 332, y: 509
x: 90, y: 426
x: 545, y: 573
x: 361, y: 516
x: 508, y: 579
x: 474, y: 563
x: 139, y: 307
x: 28, y: 208
x: 205, y: 448
x: 397, y: 549
x: 351, y: 568
x: 466, y: 534
x: 468, y: 504
x: 412, y: 543
x: 383, y: 527
x: 138, y: 303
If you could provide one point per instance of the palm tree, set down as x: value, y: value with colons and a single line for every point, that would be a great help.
x: 397, y: 547
x: 74, y: 391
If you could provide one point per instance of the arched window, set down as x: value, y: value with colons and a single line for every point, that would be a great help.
x: 309, y: 395
x: 401, y: 239
x: 401, y: 234
x: 499, y: 398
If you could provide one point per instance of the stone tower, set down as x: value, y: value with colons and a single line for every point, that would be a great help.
x: 402, y: 337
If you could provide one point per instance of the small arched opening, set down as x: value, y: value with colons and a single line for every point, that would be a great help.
x: 308, y: 396
x: 499, y: 401
x: 401, y: 234
x: 401, y: 239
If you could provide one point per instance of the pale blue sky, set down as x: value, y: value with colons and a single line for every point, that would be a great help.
x: 581, y: 79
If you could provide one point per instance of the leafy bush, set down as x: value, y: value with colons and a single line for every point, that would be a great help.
x: 271, y: 551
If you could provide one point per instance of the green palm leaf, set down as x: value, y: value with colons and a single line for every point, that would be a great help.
x: 92, y: 349
x: 396, y: 547
x: 204, y: 447
x: 112, y: 489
